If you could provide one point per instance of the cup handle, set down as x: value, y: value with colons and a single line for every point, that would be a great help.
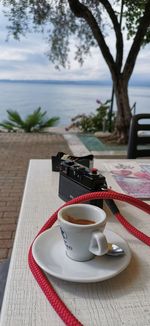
x: 98, y: 244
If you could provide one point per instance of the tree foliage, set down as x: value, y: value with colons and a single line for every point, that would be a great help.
x: 57, y: 21
x: 135, y: 10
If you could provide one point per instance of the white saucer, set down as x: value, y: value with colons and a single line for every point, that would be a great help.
x: 49, y: 252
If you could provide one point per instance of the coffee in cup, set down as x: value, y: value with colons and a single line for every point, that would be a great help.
x: 77, y: 220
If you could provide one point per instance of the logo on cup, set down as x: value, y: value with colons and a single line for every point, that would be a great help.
x: 64, y: 234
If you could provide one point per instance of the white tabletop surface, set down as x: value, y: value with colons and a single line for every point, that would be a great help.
x: 122, y: 300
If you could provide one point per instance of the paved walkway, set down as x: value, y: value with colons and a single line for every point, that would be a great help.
x: 15, y: 152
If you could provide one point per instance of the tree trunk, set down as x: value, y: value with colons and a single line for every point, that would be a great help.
x: 123, y: 109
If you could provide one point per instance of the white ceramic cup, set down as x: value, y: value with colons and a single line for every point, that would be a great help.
x: 83, y: 242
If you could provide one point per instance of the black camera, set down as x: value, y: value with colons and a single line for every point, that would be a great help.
x: 86, y: 160
x: 76, y: 179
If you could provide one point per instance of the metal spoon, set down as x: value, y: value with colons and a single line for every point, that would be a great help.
x: 114, y: 250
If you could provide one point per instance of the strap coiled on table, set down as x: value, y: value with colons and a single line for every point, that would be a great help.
x: 59, y: 306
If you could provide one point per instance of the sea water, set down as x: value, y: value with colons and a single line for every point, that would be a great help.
x: 63, y: 99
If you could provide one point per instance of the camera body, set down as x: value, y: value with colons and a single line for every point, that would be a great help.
x: 76, y: 179
x: 86, y: 160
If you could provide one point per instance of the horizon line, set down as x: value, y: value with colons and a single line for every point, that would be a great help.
x: 88, y: 81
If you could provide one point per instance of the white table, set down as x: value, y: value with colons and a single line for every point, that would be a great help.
x: 122, y: 300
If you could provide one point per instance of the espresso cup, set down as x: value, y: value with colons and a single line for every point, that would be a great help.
x: 82, y: 227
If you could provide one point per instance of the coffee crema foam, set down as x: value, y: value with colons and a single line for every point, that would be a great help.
x: 76, y: 220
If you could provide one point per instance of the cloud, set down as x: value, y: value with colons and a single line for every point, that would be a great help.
x: 9, y: 54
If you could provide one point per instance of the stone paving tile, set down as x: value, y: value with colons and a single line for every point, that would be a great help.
x: 15, y: 152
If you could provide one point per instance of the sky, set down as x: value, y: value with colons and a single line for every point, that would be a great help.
x: 26, y: 59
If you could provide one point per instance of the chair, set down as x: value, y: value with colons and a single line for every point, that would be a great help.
x: 139, y: 137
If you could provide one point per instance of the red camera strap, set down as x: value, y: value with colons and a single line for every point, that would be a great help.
x: 59, y: 306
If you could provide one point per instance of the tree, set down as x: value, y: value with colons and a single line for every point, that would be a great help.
x: 84, y: 20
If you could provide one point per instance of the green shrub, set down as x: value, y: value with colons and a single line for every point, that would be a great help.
x: 33, y: 122
x: 95, y: 122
